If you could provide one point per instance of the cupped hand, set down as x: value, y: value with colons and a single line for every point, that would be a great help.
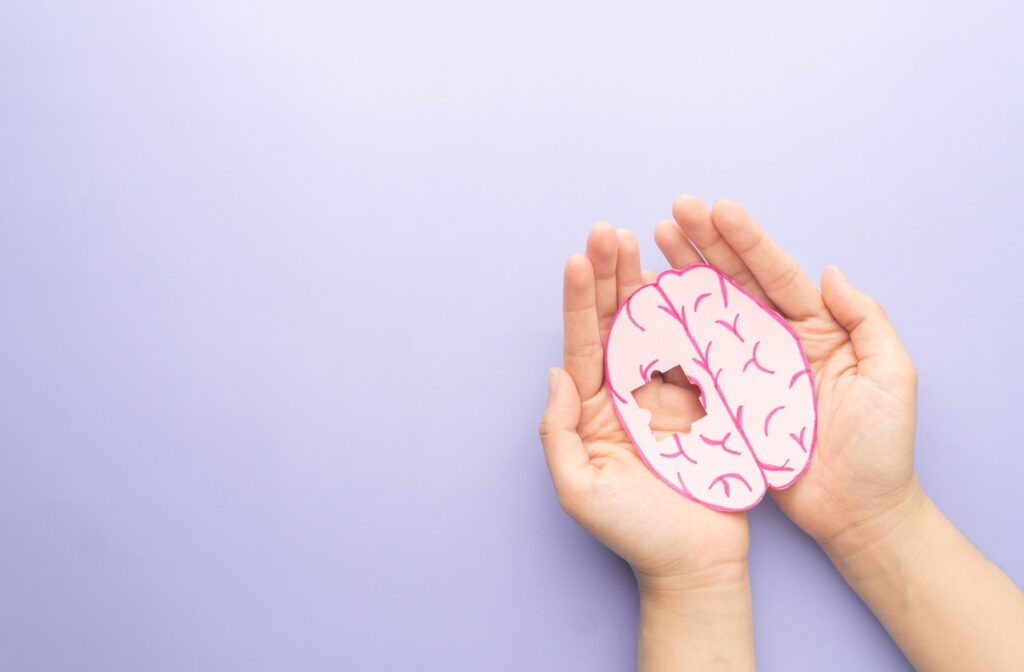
x: 861, y: 473
x: 599, y: 477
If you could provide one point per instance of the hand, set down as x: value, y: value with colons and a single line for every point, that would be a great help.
x: 671, y: 542
x: 861, y: 479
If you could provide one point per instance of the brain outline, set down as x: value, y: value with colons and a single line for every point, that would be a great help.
x: 727, y: 460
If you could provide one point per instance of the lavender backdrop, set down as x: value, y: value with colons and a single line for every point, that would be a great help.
x: 280, y: 285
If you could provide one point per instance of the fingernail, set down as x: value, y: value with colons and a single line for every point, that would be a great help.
x: 552, y: 379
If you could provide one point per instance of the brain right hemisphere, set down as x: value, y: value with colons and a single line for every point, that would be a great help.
x: 756, y: 387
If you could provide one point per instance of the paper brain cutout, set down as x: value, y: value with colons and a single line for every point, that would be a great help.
x: 756, y: 387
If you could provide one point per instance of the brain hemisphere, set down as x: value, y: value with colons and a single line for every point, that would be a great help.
x: 756, y: 387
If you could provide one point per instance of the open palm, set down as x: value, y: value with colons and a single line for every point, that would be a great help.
x: 598, y: 475
x: 866, y: 383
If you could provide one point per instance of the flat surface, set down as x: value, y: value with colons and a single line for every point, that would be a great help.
x: 279, y: 288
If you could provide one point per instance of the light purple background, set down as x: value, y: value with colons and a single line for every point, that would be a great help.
x: 280, y: 285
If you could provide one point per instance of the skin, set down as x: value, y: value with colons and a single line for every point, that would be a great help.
x: 947, y: 606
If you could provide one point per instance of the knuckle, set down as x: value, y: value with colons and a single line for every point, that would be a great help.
x: 751, y: 242
x: 743, y: 277
x: 785, y: 278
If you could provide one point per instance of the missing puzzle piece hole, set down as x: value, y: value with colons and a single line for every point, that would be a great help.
x: 673, y: 401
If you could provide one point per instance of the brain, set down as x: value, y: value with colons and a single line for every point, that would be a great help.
x: 755, y: 383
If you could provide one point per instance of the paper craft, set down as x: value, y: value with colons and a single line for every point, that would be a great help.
x: 754, y: 379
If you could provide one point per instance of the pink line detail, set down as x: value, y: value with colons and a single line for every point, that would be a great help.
x: 768, y: 418
x: 670, y: 311
x: 792, y: 381
x: 753, y: 360
x: 720, y: 443
x: 700, y: 298
x: 680, y: 452
x: 799, y: 439
x: 644, y: 370
x: 681, y: 486
x: 776, y: 467
x: 732, y: 327
x: 629, y: 314
x: 737, y: 418
x: 725, y: 483
x: 725, y: 295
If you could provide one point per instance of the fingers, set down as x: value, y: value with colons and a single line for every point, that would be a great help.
x: 674, y: 244
x: 874, y: 339
x: 695, y: 220
x: 627, y: 268
x: 595, y: 285
x: 584, y: 354
x: 776, y: 273
x: 562, y: 445
x: 602, y: 250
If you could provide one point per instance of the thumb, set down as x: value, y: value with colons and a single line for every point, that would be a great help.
x: 875, y: 342
x: 562, y: 445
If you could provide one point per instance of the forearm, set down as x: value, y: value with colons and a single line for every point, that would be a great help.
x: 704, y: 622
x: 945, y: 604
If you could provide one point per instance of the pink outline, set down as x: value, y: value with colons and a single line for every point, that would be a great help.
x: 768, y: 417
x: 681, y: 487
x: 614, y: 393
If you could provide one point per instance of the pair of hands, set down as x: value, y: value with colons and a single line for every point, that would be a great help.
x: 861, y: 479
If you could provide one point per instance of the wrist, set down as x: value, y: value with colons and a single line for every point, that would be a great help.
x: 882, y: 542
x: 664, y: 590
x: 700, y: 620
x: 710, y: 596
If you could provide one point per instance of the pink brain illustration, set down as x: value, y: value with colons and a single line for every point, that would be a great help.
x: 756, y: 387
